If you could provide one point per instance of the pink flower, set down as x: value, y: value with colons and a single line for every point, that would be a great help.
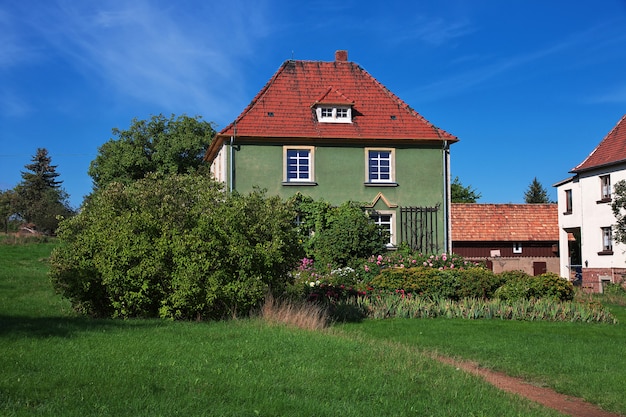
x: 367, y: 268
x: 377, y: 262
x: 444, y: 257
x: 380, y: 258
x: 425, y: 263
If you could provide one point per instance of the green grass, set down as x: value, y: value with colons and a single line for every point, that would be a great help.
x: 580, y: 359
x: 54, y: 363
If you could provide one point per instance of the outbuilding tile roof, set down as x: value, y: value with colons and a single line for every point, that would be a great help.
x: 611, y: 150
x: 285, y: 108
x: 504, y: 222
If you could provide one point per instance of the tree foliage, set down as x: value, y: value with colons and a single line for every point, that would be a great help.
x: 174, y: 246
x: 619, y: 211
x: 335, y: 236
x: 7, y: 208
x: 39, y: 198
x: 173, y: 145
x: 462, y: 194
x: 536, y: 193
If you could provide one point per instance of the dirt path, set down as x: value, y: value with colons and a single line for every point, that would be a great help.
x: 563, y: 403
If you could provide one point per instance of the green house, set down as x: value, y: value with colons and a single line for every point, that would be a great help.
x: 331, y: 131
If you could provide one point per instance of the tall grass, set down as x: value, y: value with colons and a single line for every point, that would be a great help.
x: 395, y: 306
x: 300, y: 314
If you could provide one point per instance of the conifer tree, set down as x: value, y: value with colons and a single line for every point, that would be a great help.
x: 39, y: 197
x: 536, y: 194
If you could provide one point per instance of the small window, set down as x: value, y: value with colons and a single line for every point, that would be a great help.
x: 568, y: 202
x: 517, y: 247
x: 605, y: 187
x: 338, y: 114
x: 298, y: 164
x: 607, y: 240
x: 380, y: 166
x: 385, y: 221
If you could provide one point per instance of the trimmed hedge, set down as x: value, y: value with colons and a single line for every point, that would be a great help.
x: 456, y: 284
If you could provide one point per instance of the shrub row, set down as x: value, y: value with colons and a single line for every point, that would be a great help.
x: 456, y: 284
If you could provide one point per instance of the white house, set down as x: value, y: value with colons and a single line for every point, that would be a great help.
x: 585, y: 216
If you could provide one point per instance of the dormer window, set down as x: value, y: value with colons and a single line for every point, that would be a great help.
x: 334, y: 114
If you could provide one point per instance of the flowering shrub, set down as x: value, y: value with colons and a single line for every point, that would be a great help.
x: 377, y: 263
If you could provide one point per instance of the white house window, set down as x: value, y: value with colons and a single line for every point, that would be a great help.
x: 605, y: 187
x: 327, y: 112
x: 334, y: 114
x: 385, y: 221
x: 298, y: 164
x: 380, y: 166
x: 517, y: 247
x: 568, y: 202
x: 607, y: 240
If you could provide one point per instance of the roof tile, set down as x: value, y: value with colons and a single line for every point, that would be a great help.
x: 612, y: 149
x: 284, y: 108
x: 504, y: 222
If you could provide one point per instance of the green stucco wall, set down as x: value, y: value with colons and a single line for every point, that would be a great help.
x: 340, y: 176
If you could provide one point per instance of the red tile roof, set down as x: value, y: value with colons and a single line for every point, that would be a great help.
x: 284, y: 108
x: 504, y: 222
x: 611, y: 150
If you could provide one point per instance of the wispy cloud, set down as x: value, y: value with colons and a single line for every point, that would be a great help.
x: 433, y: 31
x: 567, y: 50
x: 156, y: 52
x: 616, y: 95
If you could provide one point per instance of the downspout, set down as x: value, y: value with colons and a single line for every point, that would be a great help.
x: 446, y: 197
x: 230, y: 164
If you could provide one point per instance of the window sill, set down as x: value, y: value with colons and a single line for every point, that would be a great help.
x: 380, y: 184
x: 605, y: 252
x: 299, y: 183
x: 604, y: 200
x: 567, y: 213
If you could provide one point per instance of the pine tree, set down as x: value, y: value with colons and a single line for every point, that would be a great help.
x: 536, y: 194
x: 39, y: 197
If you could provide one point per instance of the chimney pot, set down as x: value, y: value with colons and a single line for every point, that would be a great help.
x: 341, y: 55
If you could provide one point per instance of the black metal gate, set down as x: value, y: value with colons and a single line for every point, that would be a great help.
x: 418, y: 228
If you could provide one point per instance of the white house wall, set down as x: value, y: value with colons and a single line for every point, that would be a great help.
x: 219, y: 165
x: 590, y: 216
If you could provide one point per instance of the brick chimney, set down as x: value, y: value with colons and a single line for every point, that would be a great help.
x: 341, y: 55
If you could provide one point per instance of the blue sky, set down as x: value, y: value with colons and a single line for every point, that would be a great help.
x: 529, y: 86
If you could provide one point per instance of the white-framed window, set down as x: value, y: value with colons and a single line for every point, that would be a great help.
x: 342, y: 112
x: 605, y: 187
x: 379, y: 165
x: 517, y: 247
x: 334, y: 114
x: 385, y: 220
x: 298, y: 164
x: 607, y: 239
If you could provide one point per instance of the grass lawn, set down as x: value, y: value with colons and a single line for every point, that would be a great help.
x: 56, y: 364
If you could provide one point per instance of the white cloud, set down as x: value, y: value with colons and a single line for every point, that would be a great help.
x: 171, y: 55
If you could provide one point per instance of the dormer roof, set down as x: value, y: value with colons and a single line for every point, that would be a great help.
x: 284, y: 109
x: 611, y: 150
x: 332, y: 96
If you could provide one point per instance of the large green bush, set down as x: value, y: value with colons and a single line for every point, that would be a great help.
x: 522, y: 286
x: 174, y: 246
x: 336, y: 237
